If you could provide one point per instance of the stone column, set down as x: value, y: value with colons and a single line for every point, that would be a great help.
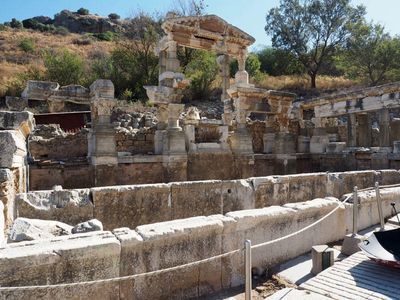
x: 351, y: 130
x: 241, y: 76
x: 162, y: 61
x: 384, y: 128
x: 320, y: 139
x: 102, y: 146
x: 172, y: 61
x: 223, y: 62
x: 364, y: 132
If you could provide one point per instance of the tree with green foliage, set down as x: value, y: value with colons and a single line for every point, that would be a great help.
x: 133, y: 63
x: 371, y: 54
x: 312, y: 30
x: 15, y: 23
x: 202, y: 71
x: 277, y: 62
x: 64, y: 67
x: 114, y: 16
x: 82, y: 11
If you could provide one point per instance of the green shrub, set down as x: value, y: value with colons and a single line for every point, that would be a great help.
x: 3, y: 27
x: 83, y: 11
x: 105, y: 36
x: 64, y: 67
x: 60, y: 30
x: 27, y: 45
x: 127, y: 95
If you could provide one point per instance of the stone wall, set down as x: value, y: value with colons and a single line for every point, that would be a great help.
x: 139, y: 141
x: 156, y: 246
x: 51, y: 142
x: 134, y: 205
x: 14, y: 129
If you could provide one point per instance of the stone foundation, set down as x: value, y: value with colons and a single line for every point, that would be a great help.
x: 134, y: 205
x: 157, y: 246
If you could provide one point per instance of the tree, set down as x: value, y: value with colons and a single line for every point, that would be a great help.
x: 15, y: 23
x: 64, y: 67
x: 114, y: 16
x: 133, y: 63
x: 277, y: 62
x: 202, y: 71
x: 312, y: 29
x: 83, y: 11
x: 371, y: 54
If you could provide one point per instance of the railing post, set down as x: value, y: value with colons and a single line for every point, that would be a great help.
x: 247, y: 266
x: 355, y: 211
x: 379, y: 203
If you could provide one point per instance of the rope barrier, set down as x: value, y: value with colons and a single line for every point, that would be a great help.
x: 118, y: 279
x: 130, y: 277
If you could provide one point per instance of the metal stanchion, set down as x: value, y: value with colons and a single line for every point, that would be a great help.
x: 379, y: 203
x: 355, y: 211
x: 247, y: 254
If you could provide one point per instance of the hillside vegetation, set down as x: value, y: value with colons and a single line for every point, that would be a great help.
x: 318, y: 46
x: 21, y: 53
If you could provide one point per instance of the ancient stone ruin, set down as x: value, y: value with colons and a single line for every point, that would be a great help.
x: 130, y: 192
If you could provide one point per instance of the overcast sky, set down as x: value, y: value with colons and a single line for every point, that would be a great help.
x: 248, y: 15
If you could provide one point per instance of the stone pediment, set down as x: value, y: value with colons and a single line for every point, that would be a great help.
x: 208, y: 32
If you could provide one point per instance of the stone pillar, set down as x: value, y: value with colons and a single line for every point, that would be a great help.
x: 364, y: 132
x: 320, y: 139
x: 162, y: 61
x: 351, y: 130
x: 223, y: 62
x: 241, y: 76
x: 241, y: 141
x: 172, y: 61
x: 102, y: 146
x: 384, y: 128
x: 174, y: 110
x: 303, y: 144
x: 173, y: 137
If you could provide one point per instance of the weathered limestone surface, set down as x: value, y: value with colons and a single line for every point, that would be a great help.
x: 16, y: 103
x: 173, y: 243
x: 278, y: 190
x: 131, y: 206
x: 7, y: 194
x: 162, y: 245
x: 22, y: 121
x: 206, y: 198
x: 24, y: 229
x: 134, y: 205
x: 265, y: 224
x: 368, y: 210
x: 2, y: 224
x: 59, y: 146
x: 68, y: 206
x: 63, y: 259
x: 12, y: 149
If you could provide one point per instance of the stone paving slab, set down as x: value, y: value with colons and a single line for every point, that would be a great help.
x: 356, y: 277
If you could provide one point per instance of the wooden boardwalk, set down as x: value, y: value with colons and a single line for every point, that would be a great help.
x: 356, y: 277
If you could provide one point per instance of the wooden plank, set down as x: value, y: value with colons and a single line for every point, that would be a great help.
x: 356, y: 277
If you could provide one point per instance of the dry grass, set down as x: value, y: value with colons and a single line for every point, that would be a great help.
x: 14, y: 60
x: 300, y: 84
